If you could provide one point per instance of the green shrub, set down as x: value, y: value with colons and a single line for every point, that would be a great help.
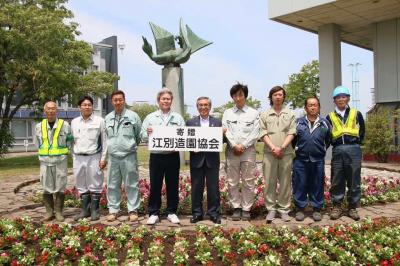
x: 379, y: 134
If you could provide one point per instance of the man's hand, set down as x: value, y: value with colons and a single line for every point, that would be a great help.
x: 224, y: 130
x: 149, y: 130
x: 102, y: 164
x: 277, y: 152
x: 238, y: 149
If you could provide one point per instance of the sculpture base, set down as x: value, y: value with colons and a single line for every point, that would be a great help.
x: 172, y: 78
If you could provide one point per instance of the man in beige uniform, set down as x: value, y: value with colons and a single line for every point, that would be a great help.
x: 242, y: 128
x: 278, y: 128
x: 53, y: 138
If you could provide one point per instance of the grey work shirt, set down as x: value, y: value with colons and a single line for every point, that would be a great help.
x: 64, y: 140
x: 278, y: 127
x: 243, y: 126
x: 89, y: 136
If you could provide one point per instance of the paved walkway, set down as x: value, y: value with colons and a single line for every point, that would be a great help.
x: 18, y: 204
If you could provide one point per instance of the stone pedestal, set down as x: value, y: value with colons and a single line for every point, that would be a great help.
x: 172, y: 78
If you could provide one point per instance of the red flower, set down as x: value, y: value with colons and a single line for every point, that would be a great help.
x: 250, y: 253
x: 385, y: 263
x: 331, y: 230
x: 87, y: 249
x: 263, y: 248
x: 67, y: 251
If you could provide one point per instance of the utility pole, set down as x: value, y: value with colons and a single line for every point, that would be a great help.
x: 355, y: 84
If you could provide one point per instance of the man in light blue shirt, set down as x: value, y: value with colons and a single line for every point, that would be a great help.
x: 163, y: 163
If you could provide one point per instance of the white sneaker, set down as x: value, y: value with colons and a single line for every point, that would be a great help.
x: 173, y: 218
x: 153, y: 219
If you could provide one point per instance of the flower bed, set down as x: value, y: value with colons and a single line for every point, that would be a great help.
x: 374, y: 190
x: 371, y: 242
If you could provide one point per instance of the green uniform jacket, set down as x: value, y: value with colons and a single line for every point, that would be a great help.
x: 123, y: 133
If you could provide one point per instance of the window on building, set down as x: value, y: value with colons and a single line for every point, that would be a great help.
x: 21, y: 129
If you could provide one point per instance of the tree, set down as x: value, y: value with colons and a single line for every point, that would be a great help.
x: 143, y: 109
x: 303, y: 84
x: 379, y: 134
x: 219, y: 111
x: 40, y: 59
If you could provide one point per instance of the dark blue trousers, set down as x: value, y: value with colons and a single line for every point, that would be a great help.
x: 346, y: 170
x: 201, y: 177
x: 308, y: 183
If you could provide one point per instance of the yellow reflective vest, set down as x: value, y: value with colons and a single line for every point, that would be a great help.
x: 47, y: 149
x: 350, y: 128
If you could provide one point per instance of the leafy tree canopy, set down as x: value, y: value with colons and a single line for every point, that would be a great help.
x: 40, y: 59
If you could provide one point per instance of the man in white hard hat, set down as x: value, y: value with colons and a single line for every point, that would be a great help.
x: 348, y: 132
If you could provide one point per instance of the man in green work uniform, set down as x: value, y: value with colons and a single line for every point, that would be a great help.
x: 123, y: 136
x: 53, y: 138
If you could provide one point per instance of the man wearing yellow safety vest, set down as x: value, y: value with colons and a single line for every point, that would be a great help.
x: 53, y: 138
x: 348, y: 132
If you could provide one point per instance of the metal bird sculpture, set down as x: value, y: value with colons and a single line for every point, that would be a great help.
x: 166, y: 52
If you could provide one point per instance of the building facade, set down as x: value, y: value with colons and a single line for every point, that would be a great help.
x: 370, y: 24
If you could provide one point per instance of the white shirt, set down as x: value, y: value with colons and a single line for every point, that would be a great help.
x: 205, y: 122
x: 243, y: 126
x: 313, y: 126
x: 340, y: 112
x: 89, y: 136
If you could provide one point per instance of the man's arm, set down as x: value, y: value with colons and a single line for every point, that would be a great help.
x: 361, y: 123
x: 228, y: 133
x: 103, y: 138
x: 143, y: 133
x: 137, y: 129
x: 255, y: 133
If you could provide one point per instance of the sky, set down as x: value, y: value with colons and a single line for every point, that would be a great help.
x: 247, y: 47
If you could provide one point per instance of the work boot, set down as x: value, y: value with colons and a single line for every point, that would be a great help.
x: 85, y: 211
x: 48, y: 202
x: 353, y: 214
x: 336, y: 212
x: 270, y: 216
x: 59, y: 206
x: 237, y: 213
x: 95, y: 206
x: 300, y: 216
x: 317, y: 216
x: 246, y: 215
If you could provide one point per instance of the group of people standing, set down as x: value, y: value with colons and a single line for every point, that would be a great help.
x: 293, y: 163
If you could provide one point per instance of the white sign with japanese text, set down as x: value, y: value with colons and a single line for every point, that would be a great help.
x: 186, y: 139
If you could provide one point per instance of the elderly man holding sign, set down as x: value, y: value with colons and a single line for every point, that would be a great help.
x: 163, y: 163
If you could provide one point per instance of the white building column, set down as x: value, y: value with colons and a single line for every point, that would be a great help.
x: 330, y: 67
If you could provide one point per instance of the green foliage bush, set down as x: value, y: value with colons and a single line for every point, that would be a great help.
x: 379, y: 134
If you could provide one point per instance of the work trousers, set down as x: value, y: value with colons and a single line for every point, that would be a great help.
x: 88, y: 176
x: 308, y: 183
x: 125, y: 170
x: 161, y: 165
x: 277, y: 171
x: 346, y: 170
x: 53, y: 177
x: 241, y: 168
